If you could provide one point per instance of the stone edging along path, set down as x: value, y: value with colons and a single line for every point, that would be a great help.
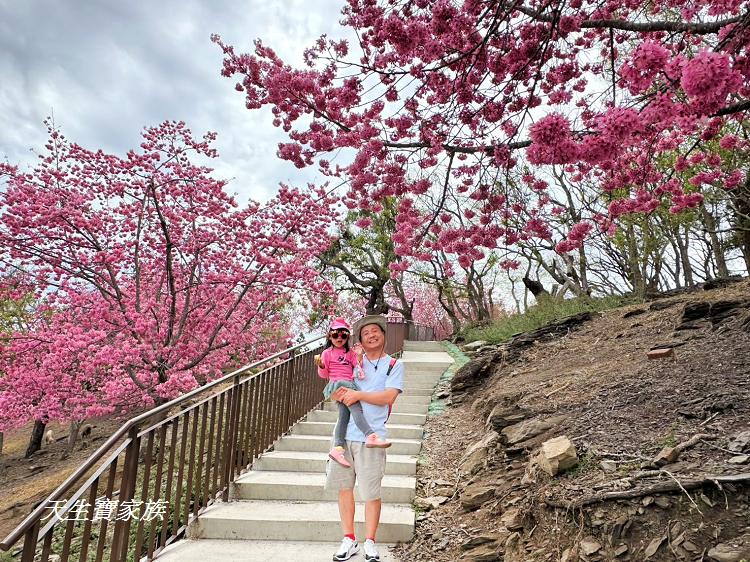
x: 280, y: 511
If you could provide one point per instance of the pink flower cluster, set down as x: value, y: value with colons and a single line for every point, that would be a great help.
x: 552, y: 141
x: 646, y: 63
x: 575, y: 238
x: 707, y: 79
x: 149, y: 278
x: 455, y: 85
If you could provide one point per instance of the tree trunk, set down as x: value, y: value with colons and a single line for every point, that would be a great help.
x: 741, y: 208
x: 684, y: 247
x: 583, y: 272
x: 536, y: 288
x: 677, y: 273
x: 75, y: 426
x: 455, y: 323
x: 376, y: 301
x: 653, y: 283
x: 513, y: 292
x: 35, y: 442
x: 407, y: 308
x: 1, y: 443
x: 710, y: 222
x: 634, y: 273
x: 744, y: 243
x: 475, y: 299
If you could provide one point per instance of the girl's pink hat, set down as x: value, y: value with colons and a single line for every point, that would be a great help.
x: 339, y: 324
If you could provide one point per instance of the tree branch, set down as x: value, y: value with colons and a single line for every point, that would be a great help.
x: 703, y: 28
x: 736, y: 108
x: 489, y: 150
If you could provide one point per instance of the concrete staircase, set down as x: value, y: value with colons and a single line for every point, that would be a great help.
x: 280, y: 511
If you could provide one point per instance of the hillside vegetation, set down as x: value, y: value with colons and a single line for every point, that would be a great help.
x: 661, y: 446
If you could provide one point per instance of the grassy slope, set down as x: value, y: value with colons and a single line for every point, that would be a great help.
x: 539, y: 315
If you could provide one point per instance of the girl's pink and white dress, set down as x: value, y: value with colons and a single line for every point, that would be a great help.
x: 339, y: 367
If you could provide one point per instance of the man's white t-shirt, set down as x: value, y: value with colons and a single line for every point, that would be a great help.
x: 375, y: 381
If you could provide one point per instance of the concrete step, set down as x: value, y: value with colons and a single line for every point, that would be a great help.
x: 414, y: 361
x: 426, y: 359
x: 210, y: 550
x: 423, y: 379
x: 408, y: 385
x: 422, y: 370
x: 423, y: 346
x: 418, y: 391
x: 322, y: 444
x: 401, y: 406
x: 333, y: 415
x: 405, y: 398
x: 305, y: 521
x: 310, y: 461
x: 418, y: 369
x: 310, y: 486
x: 395, y: 431
x: 435, y: 374
x: 412, y: 385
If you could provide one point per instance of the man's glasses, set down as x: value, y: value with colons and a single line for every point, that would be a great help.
x: 339, y: 334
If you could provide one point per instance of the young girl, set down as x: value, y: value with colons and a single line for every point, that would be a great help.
x: 338, y: 363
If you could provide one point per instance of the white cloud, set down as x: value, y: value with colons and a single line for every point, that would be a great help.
x: 106, y: 69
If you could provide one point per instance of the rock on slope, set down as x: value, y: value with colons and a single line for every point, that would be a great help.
x: 650, y: 457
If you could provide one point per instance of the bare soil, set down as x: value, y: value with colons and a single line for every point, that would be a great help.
x: 619, y: 407
x: 25, y: 482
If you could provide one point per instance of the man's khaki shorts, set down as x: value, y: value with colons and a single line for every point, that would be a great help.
x: 368, y: 468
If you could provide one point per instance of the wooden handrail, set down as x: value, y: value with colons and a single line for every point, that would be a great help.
x: 258, y: 404
x: 34, y: 516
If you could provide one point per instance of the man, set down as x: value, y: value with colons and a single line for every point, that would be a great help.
x: 378, y: 391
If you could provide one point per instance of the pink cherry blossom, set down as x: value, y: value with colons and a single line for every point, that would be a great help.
x: 445, y: 106
x: 149, y: 278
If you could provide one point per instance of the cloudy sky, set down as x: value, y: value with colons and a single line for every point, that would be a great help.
x: 107, y: 68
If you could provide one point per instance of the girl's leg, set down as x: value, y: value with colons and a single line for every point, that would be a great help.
x: 359, y: 418
x: 339, y: 437
x: 341, y: 425
x: 372, y: 439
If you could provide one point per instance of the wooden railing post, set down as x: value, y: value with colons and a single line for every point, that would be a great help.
x: 119, y: 552
x: 288, y: 389
x: 230, y: 455
x: 29, y: 543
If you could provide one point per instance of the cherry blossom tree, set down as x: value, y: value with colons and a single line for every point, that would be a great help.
x: 438, y: 103
x: 423, y: 299
x: 153, y: 277
x: 367, y: 271
x: 362, y: 258
x: 16, y: 312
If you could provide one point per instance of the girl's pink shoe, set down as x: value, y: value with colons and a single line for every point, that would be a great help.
x: 337, y: 454
x: 373, y: 440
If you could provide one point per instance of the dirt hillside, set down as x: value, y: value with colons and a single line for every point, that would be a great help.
x: 25, y: 482
x: 661, y: 445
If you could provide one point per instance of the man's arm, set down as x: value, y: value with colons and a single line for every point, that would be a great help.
x: 381, y: 398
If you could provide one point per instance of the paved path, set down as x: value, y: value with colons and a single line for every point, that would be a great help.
x: 279, y: 510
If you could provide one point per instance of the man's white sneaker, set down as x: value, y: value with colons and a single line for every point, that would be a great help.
x: 371, y: 552
x: 347, y: 549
